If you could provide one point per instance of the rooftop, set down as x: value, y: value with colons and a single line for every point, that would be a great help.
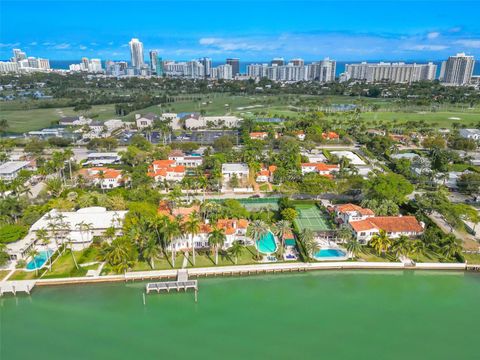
x: 234, y: 167
x: 98, y: 217
x: 12, y: 166
x: 390, y: 224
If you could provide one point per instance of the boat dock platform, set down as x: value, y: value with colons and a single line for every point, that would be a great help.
x: 14, y: 287
x: 182, y: 283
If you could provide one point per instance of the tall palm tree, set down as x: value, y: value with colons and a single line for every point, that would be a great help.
x: 151, y: 251
x: 353, y: 247
x: 68, y: 154
x: 402, y: 246
x: 282, y: 228
x: 42, y: 236
x: 118, y: 254
x: 216, y: 239
x: 450, y: 247
x: 235, y: 250
x: 192, y: 227
x: 345, y: 234
x: 257, y: 230
x: 308, y: 243
x: 170, y: 232
x: 33, y: 253
x: 381, y: 242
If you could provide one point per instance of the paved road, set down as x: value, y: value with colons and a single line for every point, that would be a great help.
x: 468, y: 240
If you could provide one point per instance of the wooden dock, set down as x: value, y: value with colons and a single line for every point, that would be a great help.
x: 182, y: 283
x: 14, y: 287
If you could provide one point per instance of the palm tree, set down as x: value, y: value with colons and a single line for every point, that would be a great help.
x: 101, y: 177
x: 353, y: 247
x: 281, y: 229
x: 151, y: 251
x: 42, y: 236
x: 68, y: 154
x: 235, y: 250
x: 216, y: 239
x: 192, y: 227
x: 84, y: 227
x: 33, y: 253
x: 118, y: 254
x: 308, y: 243
x: 381, y: 242
x: 402, y: 246
x: 170, y: 232
x: 345, y: 234
x: 450, y: 247
x: 257, y: 230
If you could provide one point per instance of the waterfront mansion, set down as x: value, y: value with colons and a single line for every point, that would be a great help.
x: 364, y: 224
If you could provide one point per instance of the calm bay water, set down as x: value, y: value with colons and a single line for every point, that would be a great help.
x: 322, y: 315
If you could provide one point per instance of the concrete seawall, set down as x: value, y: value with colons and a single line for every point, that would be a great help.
x: 246, y: 270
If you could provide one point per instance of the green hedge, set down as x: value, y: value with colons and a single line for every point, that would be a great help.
x: 10, y: 233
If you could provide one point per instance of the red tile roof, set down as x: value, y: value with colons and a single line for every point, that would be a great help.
x: 390, y: 224
x: 330, y: 135
x: 352, y: 207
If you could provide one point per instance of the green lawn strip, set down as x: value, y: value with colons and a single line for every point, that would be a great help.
x: 472, y: 258
x: 3, y: 273
x: 23, y: 275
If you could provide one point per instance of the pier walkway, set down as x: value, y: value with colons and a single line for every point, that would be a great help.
x: 182, y: 283
x: 14, y: 287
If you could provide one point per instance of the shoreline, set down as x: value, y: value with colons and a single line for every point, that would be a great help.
x: 248, y: 270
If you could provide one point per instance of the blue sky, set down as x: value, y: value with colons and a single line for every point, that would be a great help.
x: 251, y: 30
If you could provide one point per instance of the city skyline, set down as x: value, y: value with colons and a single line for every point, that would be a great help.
x: 69, y: 31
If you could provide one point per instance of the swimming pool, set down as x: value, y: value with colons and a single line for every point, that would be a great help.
x: 329, y: 253
x: 267, y: 244
x: 39, y: 260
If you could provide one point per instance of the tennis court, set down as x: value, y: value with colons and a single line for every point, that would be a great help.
x: 258, y: 204
x: 310, y: 217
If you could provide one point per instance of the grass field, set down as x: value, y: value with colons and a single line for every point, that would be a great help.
x: 23, y: 119
x: 35, y: 119
x: 440, y: 119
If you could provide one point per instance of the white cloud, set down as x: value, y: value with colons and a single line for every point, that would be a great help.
x: 433, y: 35
x: 62, y: 46
x: 470, y: 43
x: 455, y: 29
x: 33, y: 43
x: 2, y: 45
x: 83, y: 47
x: 236, y: 44
x: 421, y: 47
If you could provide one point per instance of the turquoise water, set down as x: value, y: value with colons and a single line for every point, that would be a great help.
x: 38, y: 261
x: 267, y: 244
x: 334, y: 315
x: 329, y: 253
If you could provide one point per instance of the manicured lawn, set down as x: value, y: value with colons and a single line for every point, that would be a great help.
x: 23, y: 275
x: 441, y: 119
x: 35, y: 119
x: 64, y: 266
x: 3, y: 273
x: 472, y: 258
x: 368, y: 254
x: 202, y: 259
